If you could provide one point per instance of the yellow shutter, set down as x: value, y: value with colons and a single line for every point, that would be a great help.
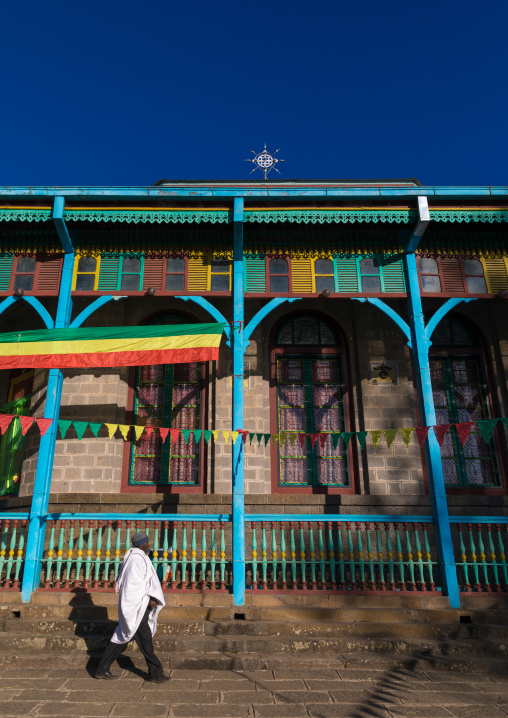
x: 301, y: 274
x: 496, y: 274
x: 199, y: 275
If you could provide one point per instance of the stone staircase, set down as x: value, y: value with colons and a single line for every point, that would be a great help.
x: 275, y: 631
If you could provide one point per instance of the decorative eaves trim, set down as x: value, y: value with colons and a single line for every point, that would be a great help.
x: 485, y: 216
x: 331, y: 216
x: 152, y: 217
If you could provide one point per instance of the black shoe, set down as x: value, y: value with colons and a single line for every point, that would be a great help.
x: 158, y: 679
x: 107, y: 675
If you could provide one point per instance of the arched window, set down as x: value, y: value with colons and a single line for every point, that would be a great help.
x: 308, y: 372
x: 167, y: 395
x: 460, y: 395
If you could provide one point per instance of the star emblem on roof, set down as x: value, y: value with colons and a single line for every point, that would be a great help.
x: 265, y: 161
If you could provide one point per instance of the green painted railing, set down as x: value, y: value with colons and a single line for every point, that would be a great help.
x: 481, y: 563
x: 13, y: 529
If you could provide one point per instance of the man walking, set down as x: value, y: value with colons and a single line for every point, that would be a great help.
x: 141, y: 600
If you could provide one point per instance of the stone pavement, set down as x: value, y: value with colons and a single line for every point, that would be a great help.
x: 58, y: 684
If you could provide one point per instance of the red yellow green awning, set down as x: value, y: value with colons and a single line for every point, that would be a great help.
x: 110, y: 346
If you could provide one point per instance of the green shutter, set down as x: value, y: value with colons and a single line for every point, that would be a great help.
x: 392, y: 276
x: 108, y: 273
x: 6, y: 262
x: 346, y: 275
x: 255, y: 274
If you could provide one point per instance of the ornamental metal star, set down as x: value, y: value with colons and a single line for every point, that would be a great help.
x: 265, y: 161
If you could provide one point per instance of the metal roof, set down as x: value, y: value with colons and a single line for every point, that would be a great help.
x: 412, y: 181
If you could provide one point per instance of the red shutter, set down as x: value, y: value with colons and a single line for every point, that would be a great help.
x: 452, y: 275
x: 48, y: 279
x: 153, y: 271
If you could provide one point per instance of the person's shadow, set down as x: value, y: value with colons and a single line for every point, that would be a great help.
x: 93, y: 625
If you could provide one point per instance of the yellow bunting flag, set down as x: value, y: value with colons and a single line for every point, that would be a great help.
x: 275, y: 438
x: 406, y: 435
x: 376, y: 435
x: 225, y: 434
x: 234, y: 435
x: 124, y: 430
x: 111, y: 429
x: 282, y: 438
x: 292, y: 439
x: 138, y: 430
x: 390, y: 435
x: 215, y: 434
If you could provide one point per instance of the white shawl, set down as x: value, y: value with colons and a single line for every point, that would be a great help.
x: 136, y: 582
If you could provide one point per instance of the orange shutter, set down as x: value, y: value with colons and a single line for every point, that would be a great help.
x: 452, y: 275
x: 152, y: 272
x: 48, y: 279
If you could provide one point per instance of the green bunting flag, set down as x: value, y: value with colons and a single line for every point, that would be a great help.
x: 376, y: 436
x: 197, y: 435
x: 486, y: 427
x: 208, y: 435
x: 346, y: 437
x: 63, y: 425
x: 259, y: 437
x: 251, y: 437
x: 267, y: 438
x: 80, y: 427
x: 505, y: 422
x: 361, y: 436
x: 390, y: 435
x: 95, y: 428
x: 186, y: 435
x: 406, y: 435
x: 335, y: 439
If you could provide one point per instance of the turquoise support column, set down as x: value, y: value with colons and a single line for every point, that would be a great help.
x: 237, y: 338
x: 40, y: 499
x: 420, y: 347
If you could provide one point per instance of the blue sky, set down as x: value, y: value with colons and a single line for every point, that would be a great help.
x: 124, y: 93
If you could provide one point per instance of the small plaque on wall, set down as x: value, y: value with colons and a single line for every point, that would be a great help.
x: 383, y: 372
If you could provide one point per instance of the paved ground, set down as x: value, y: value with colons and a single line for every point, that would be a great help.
x: 53, y: 684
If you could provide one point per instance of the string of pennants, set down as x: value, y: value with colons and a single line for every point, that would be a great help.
x: 463, y: 429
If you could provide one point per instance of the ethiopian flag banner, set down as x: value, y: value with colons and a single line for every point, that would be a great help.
x: 110, y: 346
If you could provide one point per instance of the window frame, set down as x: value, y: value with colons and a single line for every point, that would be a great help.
x: 447, y: 293
x: 170, y: 292
x: 268, y: 259
x: 38, y: 256
x: 349, y: 418
x: 96, y: 273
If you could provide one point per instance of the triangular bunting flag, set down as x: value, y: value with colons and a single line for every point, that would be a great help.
x: 322, y: 439
x: 197, y: 435
x: 111, y: 429
x: 5, y: 422
x: 124, y: 430
x: 259, y: 437
x: 505, y: 422
x: 80, y: 428
x: 313, y: 439
x: 275, y: 438
x: 186, y: 435
x: 335, y: 439
x: 63, y: 425
x: 43, y: 425
x: 376, y: 435
x: 138, y: 430
x: 440, y: 432
x: 486, y: 427
x: 208, y: 435
x: 234, y: 435
x: 463, y: 430
x: 26, y: 423
x: 245, y: 434
x: 346, y: 437
x: 267, y: 438
x: 225, y: 434
x: 302, y: 438
x: 164, y: 433
x: 282, y: 438
x: 390, y: 435
x: 175, y: 433
x: 94, y: 428
x: 361, y: 436
x: 421, y: 433
x: 406, y: 435
x: 215, y: 434
x: 292, y: 439
x: 251, y: 437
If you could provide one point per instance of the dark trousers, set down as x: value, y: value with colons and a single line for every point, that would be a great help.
x: 143, y: 638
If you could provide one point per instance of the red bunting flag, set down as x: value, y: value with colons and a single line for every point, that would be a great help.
x: 440, y: 432
x: 163, y: 432
x: 26, y: 423
x: 5, y: 421
x: 174, y: 434
x: 313, y: 439
x: 43, y: 425
x: 421, y: 433
x: 463, y: 430
x: 322, y: 440
x: 302, y: 438
x: 148, y: 430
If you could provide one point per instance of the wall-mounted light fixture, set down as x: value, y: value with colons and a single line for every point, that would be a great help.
x: 325, y: 293
x: 19, y: 292
x: 151, y: 291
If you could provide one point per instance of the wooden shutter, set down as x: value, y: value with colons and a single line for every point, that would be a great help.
x: 392, y: 276
x: 452, y: 275
x: 346, y: 275
x: 255, y: 274
x: 48, y: 279
x: 301, y: 273
x: 496, y: 274
x: 198, y: 274
x: 108, y: 274
x: 6, y: 263
x: 153, y: 272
